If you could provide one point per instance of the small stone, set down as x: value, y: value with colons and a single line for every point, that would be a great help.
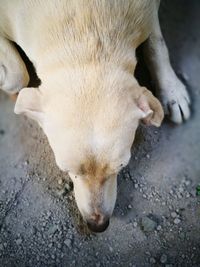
x: 18, y: 241
x: 62, y: 192
x: 110, y: 249
x: 147, y: 224
x: 33, y: 230
x: 135, y: 224
x: 68, y: 242
x: 152, y: 260
x: 136, y: 186
x: 187, y: 194
x: 159, y: 227
x: 50, y: 245
x: 187, y: 182
x: 60, y: 181
x: 59, y: 246
x: 126, y: 175
x: 129, y: 207
x: 177, y: 221
x: 163, y: 258
x: 174, y: 214
x: 148, y: 156
x: 52, y: 229
x: 148, y: 253
x: 69, y: 187
x: 48, y: 214
x: 181, y: 189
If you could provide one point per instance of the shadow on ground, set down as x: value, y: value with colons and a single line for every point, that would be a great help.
x: 156, y: 220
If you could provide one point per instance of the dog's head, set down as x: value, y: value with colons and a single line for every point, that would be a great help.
x: 90, y: 121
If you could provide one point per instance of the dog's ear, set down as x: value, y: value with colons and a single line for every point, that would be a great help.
x: 150, y: 108
x: 29, y: 103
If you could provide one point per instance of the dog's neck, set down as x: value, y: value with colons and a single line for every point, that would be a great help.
x: 62, y: 56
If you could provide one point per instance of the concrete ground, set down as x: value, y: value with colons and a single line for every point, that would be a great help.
x: 156, y: 221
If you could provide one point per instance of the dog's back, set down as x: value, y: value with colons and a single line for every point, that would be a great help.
x: 100, y: 21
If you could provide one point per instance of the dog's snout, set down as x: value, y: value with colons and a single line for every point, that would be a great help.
x: 98, y: 223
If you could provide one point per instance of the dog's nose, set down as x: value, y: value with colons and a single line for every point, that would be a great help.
x: 98, y: 223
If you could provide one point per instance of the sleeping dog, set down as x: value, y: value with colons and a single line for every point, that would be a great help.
x: 89, y: 104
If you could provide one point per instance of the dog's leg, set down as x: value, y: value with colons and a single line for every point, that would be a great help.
x: 170, y: 90
x: 13, y: 72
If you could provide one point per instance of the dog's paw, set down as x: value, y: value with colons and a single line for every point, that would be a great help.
x: 175, y: 99
x: 12, y: 81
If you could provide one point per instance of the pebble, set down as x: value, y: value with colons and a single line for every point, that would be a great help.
x: 159, y: 227
x: 69, y: 187
x: 52, y: 229
x: 163, y: 258
x: 181, y: 189
x: 135, y: 224
x: 18, y: 241
x: 59, y: 246
x: 68, y: 242
x: 174, y: 214
x: 136, y: 186
x: 129, y: 207
x: 62, y: 192
x: 152, y: 260
x: 177, y: 221
x: 187, y: 182
x: 110, y: 249
x: 147, y: 224
x: 60, y: 181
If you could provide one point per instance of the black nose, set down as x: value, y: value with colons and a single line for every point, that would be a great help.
x: 98, y: 228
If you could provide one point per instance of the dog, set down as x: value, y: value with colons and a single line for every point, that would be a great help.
x: 89, y: 103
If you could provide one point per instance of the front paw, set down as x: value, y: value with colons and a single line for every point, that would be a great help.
x: 175, y: 99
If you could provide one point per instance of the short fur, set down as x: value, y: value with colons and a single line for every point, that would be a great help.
x: 89, y: 103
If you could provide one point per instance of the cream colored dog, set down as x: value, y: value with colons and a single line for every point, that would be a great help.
x: 89, y: 103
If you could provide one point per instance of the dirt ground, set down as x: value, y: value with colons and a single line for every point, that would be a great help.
x: 156, y: 221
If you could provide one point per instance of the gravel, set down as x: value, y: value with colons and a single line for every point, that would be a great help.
x: 177, y: 221
x: 156, y: 219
